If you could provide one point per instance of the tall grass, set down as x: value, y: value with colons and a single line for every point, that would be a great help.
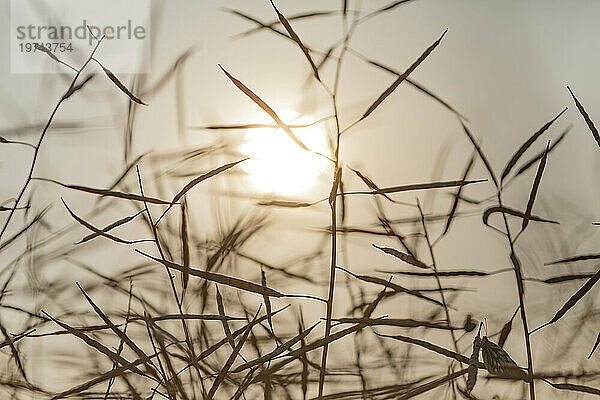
x: 192, y: 312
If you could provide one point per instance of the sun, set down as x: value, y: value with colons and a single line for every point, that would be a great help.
x: 277, y: 164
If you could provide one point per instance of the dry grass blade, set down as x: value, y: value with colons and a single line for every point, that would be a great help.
x: 505, y: 210
x: 370, y: 183
x: 402, y: 77
x: 295, y: 17
x: 397, y: 322
x: 27, y: 227
x: 110, y: 227
x: 393, y: 286
x: 411, y: 82
x: 586, y: 117
x: 487, y: 164
x: 534, y: 189
x: 75, y: 88
x: 420, y: 186
x: 537, y: 157
x: 97, y: 231
x: 14, y: 351
x: 513, y: 161
x: 224, y: 322
x: 473, y: 364
x: 307, y: 348
x: 566, y: 278
x: 576, y: 388
x: 441, y: 273
x: 48, y: 52
x: 285, y: 204
x: 185, y: 246
x: 113, y: 373
x: 120, y: 85
x: 432, y: 347
x: 506, y: 329
x: 432, y: 385
x: 204, y: 177
x: 219, y: 278
x: 584, y: 257
x: 454, y: 206
x: 267, y: 301
x: 388, y: 7
x: 254, y: 97
x: 108, y: 193
x: 211, y: 349
x: 595, y: 346
x: 236, y: 350
x: 296, y: 39
x: 95, y: 344
x: 121, y: 334
x: 572, y: 300
x: 236, y: 127
x: 407, y: 258
x: 279, y: 350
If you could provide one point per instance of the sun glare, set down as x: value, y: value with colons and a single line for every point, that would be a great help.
x: 277, y: 164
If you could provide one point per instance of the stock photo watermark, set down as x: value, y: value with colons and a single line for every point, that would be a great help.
x: 43, y: 32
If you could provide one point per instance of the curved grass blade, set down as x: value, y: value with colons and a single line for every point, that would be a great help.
x: 505, y: 210
x: 513, y: 161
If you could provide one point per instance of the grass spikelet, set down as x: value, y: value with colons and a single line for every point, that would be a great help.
x: 407, y: 258
x: 474, y: 363
x: 586, y: 117
x: 534, y: 189
x: 296, y: 39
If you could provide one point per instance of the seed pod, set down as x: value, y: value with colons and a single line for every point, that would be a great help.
x: 474, y: 364
x: 470, y: 324
x: 497, y: 361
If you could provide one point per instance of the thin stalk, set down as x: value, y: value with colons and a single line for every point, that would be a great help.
x: 37, y: 147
